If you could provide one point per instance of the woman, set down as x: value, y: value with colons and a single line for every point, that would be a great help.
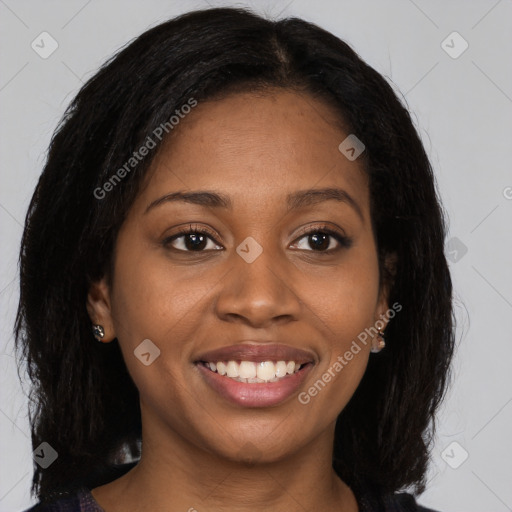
x: 234, y: 294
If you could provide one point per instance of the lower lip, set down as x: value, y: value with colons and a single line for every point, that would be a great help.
x: 257, y: 394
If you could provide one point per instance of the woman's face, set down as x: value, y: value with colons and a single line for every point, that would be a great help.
x: 257, y: 285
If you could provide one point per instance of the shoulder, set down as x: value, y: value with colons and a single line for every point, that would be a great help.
x: 404, y: 502
x: 80, y: 501
x: 371, y: 501
x: 69, y: 503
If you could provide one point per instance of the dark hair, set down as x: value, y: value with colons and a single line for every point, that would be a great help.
x: 84, y: 403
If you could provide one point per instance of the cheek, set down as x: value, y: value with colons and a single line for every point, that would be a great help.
x: 349, y: 298
x: 151, y: 298
x: 155, y: 300
x: 346, y: 308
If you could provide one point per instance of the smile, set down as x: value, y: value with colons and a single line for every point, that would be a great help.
x: 255, y: 374
x: 250, y: 372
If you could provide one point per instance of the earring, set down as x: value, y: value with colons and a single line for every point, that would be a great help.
x: 379, y: 343
x: 98, y: 332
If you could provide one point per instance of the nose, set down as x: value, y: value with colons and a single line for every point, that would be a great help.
x: 259, y: 293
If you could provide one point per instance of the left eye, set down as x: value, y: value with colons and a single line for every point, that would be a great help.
x: 323, y: 240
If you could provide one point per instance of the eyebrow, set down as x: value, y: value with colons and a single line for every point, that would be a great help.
x: 201, y: 198
x: 294, y: 201
x: 314, y: 196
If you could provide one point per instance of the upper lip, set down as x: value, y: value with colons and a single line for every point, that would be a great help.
x: 257, y: 352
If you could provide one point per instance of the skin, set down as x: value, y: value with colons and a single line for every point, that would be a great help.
x: 199, y: 451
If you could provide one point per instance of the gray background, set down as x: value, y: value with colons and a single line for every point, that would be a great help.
x: 463, y: 109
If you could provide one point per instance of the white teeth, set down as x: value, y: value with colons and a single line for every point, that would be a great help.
x: 232, y: 369
x: 221, y: 368
x: 254, y: 373
x: 247, y: 370
x: 266, y: 370
x: 280, y: 369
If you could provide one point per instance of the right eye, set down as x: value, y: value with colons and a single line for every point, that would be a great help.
x: 191, y: 239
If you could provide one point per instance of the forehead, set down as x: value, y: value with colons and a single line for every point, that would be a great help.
x: 257, y: 148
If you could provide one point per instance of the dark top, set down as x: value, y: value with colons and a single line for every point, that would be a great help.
x: 368, y: 501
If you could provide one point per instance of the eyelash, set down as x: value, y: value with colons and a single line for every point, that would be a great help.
x: 344, y: 242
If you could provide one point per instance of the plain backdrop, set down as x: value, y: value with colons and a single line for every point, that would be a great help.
x: 461, y: 100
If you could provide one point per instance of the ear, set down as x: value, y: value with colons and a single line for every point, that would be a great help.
x: 386, y: 283
x: 99, y: 308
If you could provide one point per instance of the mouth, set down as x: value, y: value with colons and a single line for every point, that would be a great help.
x: 250, y: 372
x: 255, y: 375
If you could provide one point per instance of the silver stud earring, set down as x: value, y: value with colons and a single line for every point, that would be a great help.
x: 98, y: 332
x: 379, y: 343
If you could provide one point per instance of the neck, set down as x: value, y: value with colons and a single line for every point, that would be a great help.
x: 174, y: 474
